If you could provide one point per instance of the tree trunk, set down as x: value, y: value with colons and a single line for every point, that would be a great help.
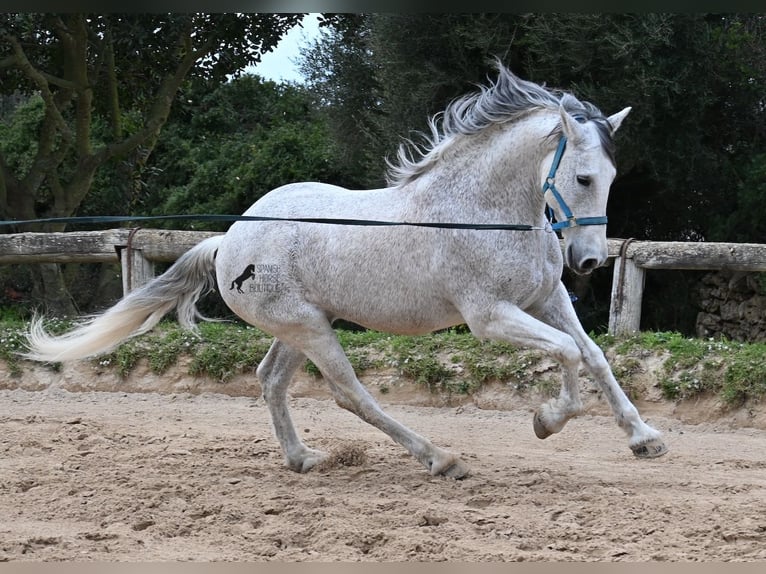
x: 51, y: 291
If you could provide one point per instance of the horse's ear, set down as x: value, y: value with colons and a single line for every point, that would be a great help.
x: 615, y: 120
x: 573, y: 130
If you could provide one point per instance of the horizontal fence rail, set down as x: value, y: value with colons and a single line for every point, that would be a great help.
x: 137, y: 250
x: 157, y: 245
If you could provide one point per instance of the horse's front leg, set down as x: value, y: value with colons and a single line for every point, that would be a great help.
x: 552, y: 416
x: 644, y: 441
x: 508, y: 322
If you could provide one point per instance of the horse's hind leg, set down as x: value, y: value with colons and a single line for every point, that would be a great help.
x: 644, y: 441
x: 321, y: 345
x: 275, y: 373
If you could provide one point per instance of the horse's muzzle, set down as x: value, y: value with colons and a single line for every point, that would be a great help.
x: 584, y: 261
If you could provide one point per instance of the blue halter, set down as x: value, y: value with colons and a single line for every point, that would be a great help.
x: 550, y: 184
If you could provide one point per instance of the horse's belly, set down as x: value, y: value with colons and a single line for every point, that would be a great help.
x: 387, y: 285
x: 391, y: 309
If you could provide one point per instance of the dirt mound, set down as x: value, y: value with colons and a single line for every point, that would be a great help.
x: 389, y: 386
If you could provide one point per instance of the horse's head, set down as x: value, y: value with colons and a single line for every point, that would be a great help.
x: 576, y: 177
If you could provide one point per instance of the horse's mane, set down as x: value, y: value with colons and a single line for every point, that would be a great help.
x: 504, y: 100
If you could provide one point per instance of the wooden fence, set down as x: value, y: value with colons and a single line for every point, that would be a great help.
x: 138, y: 250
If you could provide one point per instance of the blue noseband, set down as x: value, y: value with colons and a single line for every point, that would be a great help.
x: 550, y: 184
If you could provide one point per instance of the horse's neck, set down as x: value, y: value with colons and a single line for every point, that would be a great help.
x: 490, y: 175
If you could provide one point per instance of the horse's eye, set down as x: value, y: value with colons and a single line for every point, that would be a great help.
x: 583, y: 180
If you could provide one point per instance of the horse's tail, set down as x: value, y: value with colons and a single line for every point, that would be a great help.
x: 191, y: 276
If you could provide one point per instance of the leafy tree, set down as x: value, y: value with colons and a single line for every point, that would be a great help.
x: 381, y: 76
x: 696, y: 85
x: 747, y: 223
x: 429, y: 59
x: 342, y: 76
x: 91, y: 68
x: 225, y: 148
x: 85, y: 67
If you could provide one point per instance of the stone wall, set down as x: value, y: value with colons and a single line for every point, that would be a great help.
x: 732, y: 305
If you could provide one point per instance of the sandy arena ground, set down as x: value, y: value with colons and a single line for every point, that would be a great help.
x: 144, y: 476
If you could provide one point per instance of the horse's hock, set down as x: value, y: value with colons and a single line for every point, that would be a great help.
x: 733, y: 305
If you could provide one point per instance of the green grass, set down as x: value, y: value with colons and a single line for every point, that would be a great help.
x: 218, y: 351
x: 11, y: 342
x: 451, y: 361
x: 228, y: 349
x: 745, y: 374
x: 12, y: 339
x: 693, y: 367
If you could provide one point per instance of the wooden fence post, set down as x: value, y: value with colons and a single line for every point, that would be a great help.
x: 137, y: 270
x: 627, y: 294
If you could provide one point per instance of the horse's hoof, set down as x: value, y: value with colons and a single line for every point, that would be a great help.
x: 540, y: 429
x: 450, y: 466
x: 458, y: 470
x: 307, y: 460
x: 650, y: 449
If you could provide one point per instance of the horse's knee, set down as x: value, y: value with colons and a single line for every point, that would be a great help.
x: 276, y: 369
x: 595, y: 361
x: 568, y: 353
x: 273, y: 386
x: 269, y: 393
x: 264, y: 369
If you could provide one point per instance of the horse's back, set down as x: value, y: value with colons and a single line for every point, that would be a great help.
x: 314, y: 199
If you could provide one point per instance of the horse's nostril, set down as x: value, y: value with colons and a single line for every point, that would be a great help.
x: 581, y: 266
x: 589, y: 264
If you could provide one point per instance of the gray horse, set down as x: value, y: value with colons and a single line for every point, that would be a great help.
x: 496, y: 156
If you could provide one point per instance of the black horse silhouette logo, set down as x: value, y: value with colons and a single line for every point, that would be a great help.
x: 248, y: 273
